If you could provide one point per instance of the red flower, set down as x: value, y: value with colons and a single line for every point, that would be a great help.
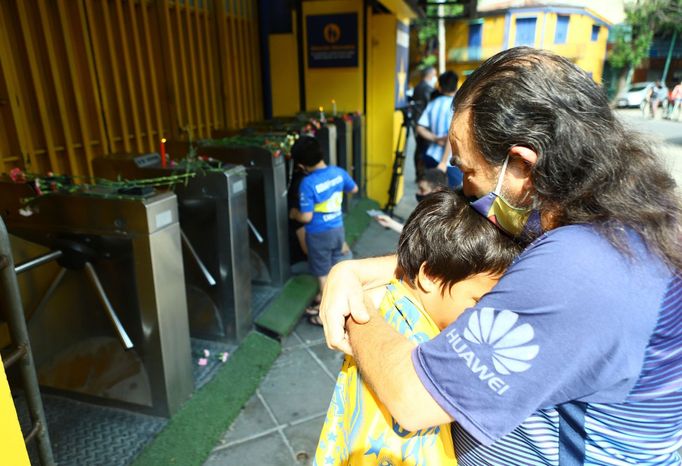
x: 17, y: 176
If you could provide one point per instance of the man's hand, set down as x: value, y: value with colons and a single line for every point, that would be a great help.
x: 342, y: 296
x: 341, y: 299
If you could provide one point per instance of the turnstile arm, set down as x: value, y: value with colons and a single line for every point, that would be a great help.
x: 209, y: 278
x: 122, y: 334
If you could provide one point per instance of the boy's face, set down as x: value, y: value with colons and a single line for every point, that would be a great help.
x: 444, y: 308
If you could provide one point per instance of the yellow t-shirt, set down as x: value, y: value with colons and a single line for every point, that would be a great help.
x: 358, y: 429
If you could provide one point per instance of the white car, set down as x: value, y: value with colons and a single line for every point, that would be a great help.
x: 635, y: 94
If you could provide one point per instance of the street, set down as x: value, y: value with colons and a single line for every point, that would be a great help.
x: 666, y: 136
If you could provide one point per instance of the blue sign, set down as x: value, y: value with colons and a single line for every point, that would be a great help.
x: 332, y: 40
x: 402, y: 61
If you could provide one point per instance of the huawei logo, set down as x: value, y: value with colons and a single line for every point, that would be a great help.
x: 510, y: 349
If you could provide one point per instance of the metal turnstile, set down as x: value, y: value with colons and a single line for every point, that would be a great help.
x: 213, y: 227
x: 266, y: 206
x: 109, y: 323
x: 359, y: 160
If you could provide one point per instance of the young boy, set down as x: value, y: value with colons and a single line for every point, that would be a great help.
x: 430, y: 181
x: 320, y: 200
x: 466, y: 256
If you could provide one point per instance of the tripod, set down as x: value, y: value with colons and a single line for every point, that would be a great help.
x: 399, y: 162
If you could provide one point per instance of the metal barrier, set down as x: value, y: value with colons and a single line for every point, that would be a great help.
x: 10, y: 301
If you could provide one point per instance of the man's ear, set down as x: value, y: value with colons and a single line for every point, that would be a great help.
x: 525, y: 159
x: 425, y: 282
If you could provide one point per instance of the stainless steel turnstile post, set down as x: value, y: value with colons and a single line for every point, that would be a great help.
x: 10, y: 301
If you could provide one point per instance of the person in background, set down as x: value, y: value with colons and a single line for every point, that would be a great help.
x: 676, y: 101
x: 658, y: 96
x: 421, y: 98
x: 431, y: 181
x: 320, y: 200
x: 433, y: 126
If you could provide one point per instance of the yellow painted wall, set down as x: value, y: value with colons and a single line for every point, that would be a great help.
x: 341, y: 84
x: 12, y: 447
x: 380, y: 104
x: 284, y: 62
x: 493, y: 34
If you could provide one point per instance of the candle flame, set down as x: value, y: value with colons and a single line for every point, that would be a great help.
x: 321, y: 109
x: 163, y: 140
x: 333, y: 101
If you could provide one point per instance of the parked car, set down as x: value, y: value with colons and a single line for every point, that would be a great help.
x: 635, y: 94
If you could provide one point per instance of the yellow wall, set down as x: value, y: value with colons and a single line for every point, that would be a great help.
x: 380, y: 104
x: 284, y: 62
x: 12, y: 447
x: 341, y: 84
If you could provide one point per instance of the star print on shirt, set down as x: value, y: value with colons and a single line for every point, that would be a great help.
x: 376, y: 445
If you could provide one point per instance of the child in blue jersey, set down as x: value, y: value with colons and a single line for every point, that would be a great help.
x: 320, y: 199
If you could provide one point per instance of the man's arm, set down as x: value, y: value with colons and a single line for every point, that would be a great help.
x: 445, y: 159
x: 384, y: 358
x: 429, y: 136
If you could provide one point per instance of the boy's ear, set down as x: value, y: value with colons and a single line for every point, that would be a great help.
x: 425, y: 282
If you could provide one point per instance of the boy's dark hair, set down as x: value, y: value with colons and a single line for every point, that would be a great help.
x: 448, y: 82
x: 453, y: 240
x: 306, y: 151
x: 436, y: 178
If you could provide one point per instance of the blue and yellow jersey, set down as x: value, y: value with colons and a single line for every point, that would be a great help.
x: 358, y: 429
x: 321, y: 192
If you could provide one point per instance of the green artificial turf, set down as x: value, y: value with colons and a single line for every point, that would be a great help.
x: 357, y: 220
x: 284, y: 312
x: 195, y: 429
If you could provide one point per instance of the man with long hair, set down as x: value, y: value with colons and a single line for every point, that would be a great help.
x: 575, y: 356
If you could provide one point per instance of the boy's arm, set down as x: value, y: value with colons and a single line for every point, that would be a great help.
x: 302, y: 217
x: 304, y: 213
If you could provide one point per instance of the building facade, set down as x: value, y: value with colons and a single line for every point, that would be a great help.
x: 575, y: 32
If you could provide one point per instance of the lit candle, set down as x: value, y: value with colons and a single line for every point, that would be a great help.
x: 333, y: 107
x: 163, y: 152
x: 322, y: 118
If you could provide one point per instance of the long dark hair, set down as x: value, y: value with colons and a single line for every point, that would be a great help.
x: 590, y: 169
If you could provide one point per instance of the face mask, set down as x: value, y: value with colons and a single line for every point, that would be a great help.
x: 518, y: 222
x: 433, y: 81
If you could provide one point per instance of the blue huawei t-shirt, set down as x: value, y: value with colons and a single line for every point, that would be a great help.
x: 321, y: 192
x: 575, y: 357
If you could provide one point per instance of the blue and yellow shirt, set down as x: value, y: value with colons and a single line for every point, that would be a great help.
x: 358, y: 429
x: 321, y: 193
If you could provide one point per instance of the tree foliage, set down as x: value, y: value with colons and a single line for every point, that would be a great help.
x: 644, y: 18
x: 427, y: 32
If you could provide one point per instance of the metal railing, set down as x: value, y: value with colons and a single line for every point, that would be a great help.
x: 10, y: 300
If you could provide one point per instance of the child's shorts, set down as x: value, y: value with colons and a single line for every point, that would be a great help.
x: 325, y: 250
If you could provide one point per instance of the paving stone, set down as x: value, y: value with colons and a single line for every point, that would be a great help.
x: 296, y: 387
x: 252, y: 420
x: 331, y: 359
x: 269, y: 450
x: 303, y: 438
